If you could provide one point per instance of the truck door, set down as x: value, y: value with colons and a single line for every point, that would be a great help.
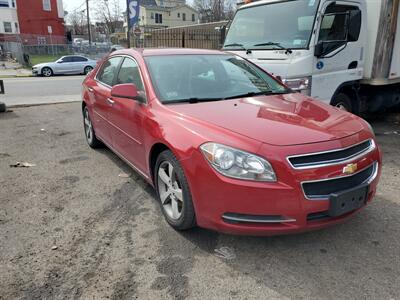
x: 339, y: 49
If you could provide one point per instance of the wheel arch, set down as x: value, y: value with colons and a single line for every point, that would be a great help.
x: 154, y: 152
x: 350, y: 89
x: 41, y: 70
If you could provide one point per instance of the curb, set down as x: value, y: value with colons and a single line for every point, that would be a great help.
x: 42, y: 104
x: 16, y: 76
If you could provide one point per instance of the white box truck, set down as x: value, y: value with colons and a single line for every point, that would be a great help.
x: 346, y: 53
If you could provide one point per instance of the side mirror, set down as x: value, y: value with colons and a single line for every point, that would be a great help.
x: 319, y: 49
x: 127, y: 91
x: 354, y: 25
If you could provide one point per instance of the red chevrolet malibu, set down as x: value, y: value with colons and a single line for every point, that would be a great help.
x: 227, y: 146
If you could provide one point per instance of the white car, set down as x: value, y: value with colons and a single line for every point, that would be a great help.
x: 70, y: 64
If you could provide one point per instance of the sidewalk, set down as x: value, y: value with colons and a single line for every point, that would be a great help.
x: 12, y: 69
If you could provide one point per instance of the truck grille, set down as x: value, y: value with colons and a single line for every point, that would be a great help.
x: 322, y: 189
x: 333, y: 157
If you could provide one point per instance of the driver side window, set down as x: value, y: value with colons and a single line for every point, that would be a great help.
x: 336, y: 25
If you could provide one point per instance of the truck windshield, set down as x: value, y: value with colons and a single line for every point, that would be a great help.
x: 276, y: 25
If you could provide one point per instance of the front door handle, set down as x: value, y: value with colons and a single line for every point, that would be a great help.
x: 110, y: 101
x: 91, y: 90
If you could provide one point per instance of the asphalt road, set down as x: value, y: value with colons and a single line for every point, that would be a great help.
x: 71, y: 228
x: 38, y: 90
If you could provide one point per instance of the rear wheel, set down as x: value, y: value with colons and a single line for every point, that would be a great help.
x: 47, y: 72
x: 89, y: 131
x: 173, y: 192
x: 343, y: 102
x: 87, y: 70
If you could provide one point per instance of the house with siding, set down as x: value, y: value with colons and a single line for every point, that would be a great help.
x: 166, y: 13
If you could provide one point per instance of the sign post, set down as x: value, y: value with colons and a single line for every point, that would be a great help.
x: 132, y: 14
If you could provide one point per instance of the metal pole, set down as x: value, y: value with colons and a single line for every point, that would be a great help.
x: 88, y: 23
x: 128, y: 34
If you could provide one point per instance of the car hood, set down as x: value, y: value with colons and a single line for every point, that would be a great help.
x: 283, y: 120
x: 43, y: 65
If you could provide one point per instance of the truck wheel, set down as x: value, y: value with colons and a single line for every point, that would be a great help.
x: 3, y: 107
x: 343, y: 102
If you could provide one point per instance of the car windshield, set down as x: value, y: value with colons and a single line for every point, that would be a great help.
x: 195, y: 78
x: 279, y: 25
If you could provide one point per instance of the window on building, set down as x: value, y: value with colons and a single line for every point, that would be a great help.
x: 179, y: 15
x: 4, y: 3
x: 42, y: 40
x: 7, y: 27
x: 158, y: 18
x: 13, y: 3
x: 152, y: 16
x: 46, y: 5
x: 193, y: 18
x: 16, y: 27
x: 183, y: 16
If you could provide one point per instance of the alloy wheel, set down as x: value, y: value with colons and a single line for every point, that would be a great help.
x: 47, y: 72
x: 170, y: 191
x: 88, y: 126
x: 88, y: 70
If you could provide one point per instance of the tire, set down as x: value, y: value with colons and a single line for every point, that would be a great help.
x: 90, y: 135
x: 3, y: 107
x: 343, y: 102
x: 87, y: 70
x: 173, y: 192
x: 47, y: 72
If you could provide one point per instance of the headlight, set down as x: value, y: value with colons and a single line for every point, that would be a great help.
x: 238, y: 164
x: 299, y: 84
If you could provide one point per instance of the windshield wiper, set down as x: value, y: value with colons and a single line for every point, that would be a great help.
x: 238, y: 45
x: 273, y: 44
x: 252, y: 94
x: 193, y: 100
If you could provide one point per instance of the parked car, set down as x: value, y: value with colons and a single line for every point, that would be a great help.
x: 226, y: 145
x: 69, y: 64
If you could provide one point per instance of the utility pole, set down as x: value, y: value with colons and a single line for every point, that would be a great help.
x: 88, y: 23
x: 128, y: 29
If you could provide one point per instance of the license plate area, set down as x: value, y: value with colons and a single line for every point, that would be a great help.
x: 347, y: 201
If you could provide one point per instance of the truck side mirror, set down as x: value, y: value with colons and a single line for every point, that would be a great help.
x: 354, y: 26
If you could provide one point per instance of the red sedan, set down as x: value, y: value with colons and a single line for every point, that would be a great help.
x: 227, y: 146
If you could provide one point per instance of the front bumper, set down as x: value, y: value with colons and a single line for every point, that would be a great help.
x: 35, y: 72
x: 259, y: 208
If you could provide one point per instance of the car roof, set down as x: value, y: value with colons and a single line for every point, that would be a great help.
x: 170, y: 51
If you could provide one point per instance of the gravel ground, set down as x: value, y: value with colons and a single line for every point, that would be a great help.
x: 71, y: 228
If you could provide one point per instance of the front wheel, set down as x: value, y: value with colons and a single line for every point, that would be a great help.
x: 173, y: 192
x: 47, y: 72
x: 343, y: 102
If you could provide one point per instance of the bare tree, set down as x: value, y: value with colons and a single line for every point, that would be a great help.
x: 110, y: 13
x: 77, y: 20
x: 214, y: 10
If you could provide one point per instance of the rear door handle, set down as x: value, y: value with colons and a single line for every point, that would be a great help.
x: 111, y: 101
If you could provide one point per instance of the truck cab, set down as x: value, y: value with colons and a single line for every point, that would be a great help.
x: 345, y: 53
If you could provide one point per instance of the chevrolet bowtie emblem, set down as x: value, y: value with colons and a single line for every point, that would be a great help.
x: 350, y: 169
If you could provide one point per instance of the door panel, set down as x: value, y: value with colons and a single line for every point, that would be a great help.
x: 127, y: 117
x: 345, y: 62
x: 102, y: 94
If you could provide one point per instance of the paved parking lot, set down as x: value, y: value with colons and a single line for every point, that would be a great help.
x: 71, y: 227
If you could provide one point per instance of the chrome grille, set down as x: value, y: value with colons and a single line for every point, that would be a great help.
x: 332, y: 157
x: 322, y: 189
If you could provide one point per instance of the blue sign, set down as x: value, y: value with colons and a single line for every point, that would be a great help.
x: 320, y: 65
x: 133, y: 12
